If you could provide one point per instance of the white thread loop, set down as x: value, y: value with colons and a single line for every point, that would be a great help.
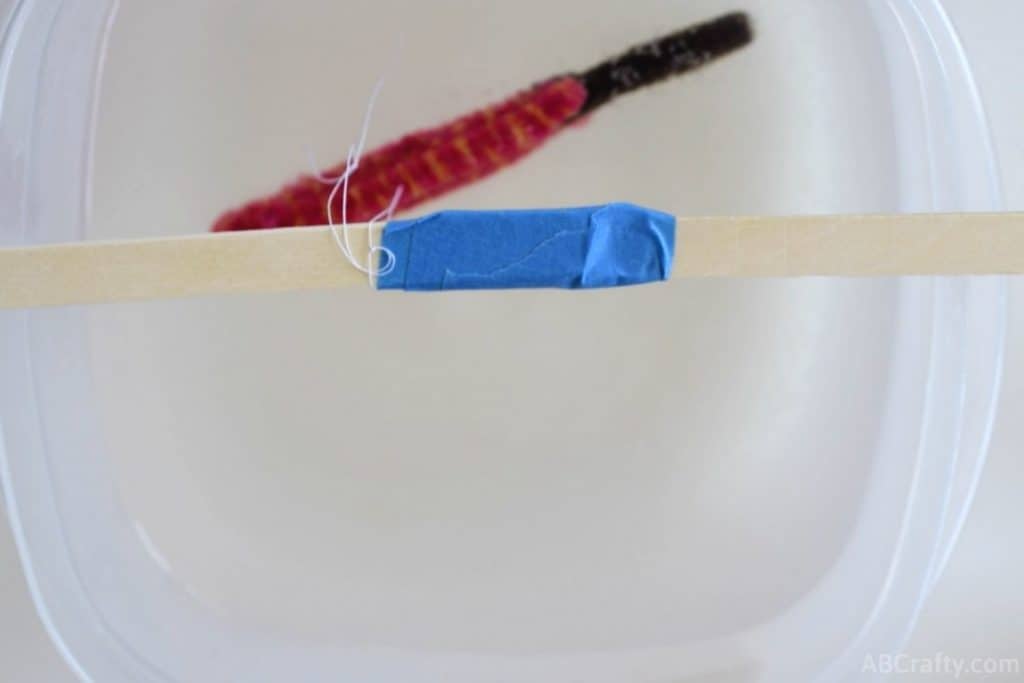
x: 374, y: 251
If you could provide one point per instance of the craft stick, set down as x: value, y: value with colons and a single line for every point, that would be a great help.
x: 851, y: 245
x: 308, y: 258
x: 172, y: 267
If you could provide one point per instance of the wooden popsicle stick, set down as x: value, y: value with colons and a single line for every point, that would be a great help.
x: 851, y: 245
x: 308, y: 258
x: 173, y: 267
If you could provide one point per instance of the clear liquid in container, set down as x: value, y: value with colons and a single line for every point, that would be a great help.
x: 502, y: 472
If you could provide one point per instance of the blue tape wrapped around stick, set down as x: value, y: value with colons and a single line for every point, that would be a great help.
x: 580, y: 248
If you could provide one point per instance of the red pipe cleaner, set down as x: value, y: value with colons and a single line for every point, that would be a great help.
x: 427, y: 163
x: 431, y: 162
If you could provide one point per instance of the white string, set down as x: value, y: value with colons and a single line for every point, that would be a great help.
x: 311, y: 156
x: 386, y: 215
x: 311, y: 159
x: 314, y: 165
x: 341, y: 183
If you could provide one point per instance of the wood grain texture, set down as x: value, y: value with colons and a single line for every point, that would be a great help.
x: 307, y: 258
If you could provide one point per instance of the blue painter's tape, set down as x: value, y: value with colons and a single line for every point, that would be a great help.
x: 598, y: 246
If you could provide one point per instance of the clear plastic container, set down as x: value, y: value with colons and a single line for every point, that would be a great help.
x: 731, y: 481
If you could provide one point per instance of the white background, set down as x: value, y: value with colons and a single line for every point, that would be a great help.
x: 977, y: 610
